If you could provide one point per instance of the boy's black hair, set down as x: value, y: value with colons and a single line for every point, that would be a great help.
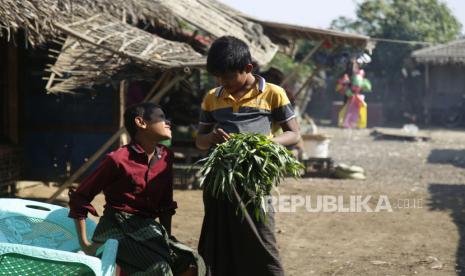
x: 228, y: 54
x: 144, y: 110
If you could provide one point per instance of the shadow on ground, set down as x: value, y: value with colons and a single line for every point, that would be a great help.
x: 447, y: 156
x: 451, y: 198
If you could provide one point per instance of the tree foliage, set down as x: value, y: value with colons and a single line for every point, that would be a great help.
x: 414, y: 20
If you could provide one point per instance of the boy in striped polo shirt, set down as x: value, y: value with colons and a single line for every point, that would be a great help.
x: 243, y: 103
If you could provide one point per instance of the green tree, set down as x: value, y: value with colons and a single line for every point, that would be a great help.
x: 413, y: 20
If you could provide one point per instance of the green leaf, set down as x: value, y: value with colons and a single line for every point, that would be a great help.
x: 251, y: 162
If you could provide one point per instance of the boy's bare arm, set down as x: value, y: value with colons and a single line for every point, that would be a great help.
x: 208, y: 136
x: 290, y: 135
x: 88, y: 247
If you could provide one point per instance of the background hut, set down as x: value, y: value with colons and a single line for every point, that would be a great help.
x: 443, y: 86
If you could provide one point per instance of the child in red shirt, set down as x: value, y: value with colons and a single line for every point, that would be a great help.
x: 137, y: 181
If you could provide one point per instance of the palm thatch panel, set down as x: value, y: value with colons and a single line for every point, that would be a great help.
x: 106, y: 32
x: 100, y: 46
x: 82, y: 65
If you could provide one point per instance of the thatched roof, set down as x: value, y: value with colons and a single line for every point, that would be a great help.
x: 449, y: 53
x: 98, y: 26
x: 37, y: 17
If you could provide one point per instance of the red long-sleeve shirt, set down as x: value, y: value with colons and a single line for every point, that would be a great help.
x: 129, y: 183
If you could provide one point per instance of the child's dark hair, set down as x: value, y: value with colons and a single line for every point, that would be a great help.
x: 144, y: 110
x: 228, y: 54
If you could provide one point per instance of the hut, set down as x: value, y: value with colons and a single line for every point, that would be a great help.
x: 443, y: 98
x: 91, y: 50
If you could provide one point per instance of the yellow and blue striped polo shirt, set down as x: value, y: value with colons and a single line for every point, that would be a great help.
x: 255, y: 112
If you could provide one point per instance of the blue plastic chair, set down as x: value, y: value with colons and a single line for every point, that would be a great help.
x: 39, y: 239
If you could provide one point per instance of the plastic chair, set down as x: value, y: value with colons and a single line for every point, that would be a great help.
x: 39, y: 239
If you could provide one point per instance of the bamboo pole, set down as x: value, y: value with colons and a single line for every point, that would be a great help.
x: 86, y: 165
x: 154, y: 88
x: 156, y: 99
x: 306, y: 58
x: 307, y: 82
x: 301, y: 100
x: 105, y: 146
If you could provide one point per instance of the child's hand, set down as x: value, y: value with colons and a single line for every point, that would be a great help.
x: 218, y: 136
x: 90, y: 248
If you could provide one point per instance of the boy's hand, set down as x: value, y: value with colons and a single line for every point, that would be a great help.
x: 90, y: 248
x: 218, y: 136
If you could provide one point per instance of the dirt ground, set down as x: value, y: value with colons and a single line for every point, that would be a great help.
x: 424, y: 234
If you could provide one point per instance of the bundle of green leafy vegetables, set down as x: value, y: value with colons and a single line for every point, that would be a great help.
x: 247, y: 167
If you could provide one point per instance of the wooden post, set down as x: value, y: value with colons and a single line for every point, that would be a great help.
x: 12, y: 92
x: 107, y: 144
x: 426, y: 99
x: 123, y: 88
